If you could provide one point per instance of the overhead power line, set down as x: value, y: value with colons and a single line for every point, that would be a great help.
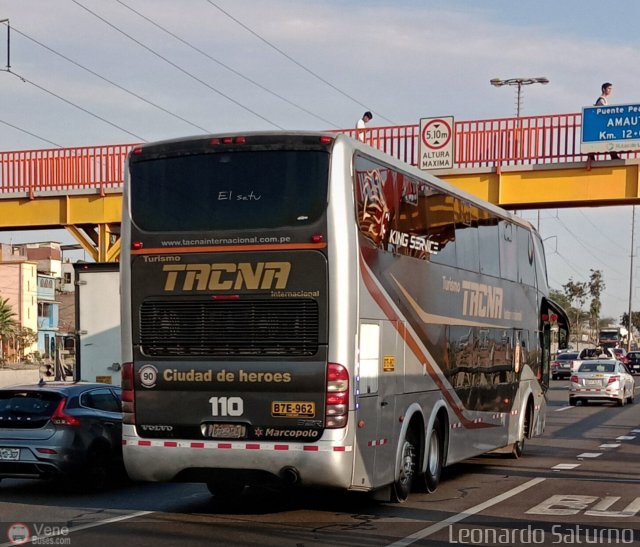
x: 132, y: 93
x: 599, y: 231
x: 227, y: 67
x: 590, y: 252
x: 297, y: 63
x: 71, y: 103
x: 30, y: 133
x: 177, y: 67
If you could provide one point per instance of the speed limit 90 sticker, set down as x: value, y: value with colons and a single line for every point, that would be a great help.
x: 148, y: 376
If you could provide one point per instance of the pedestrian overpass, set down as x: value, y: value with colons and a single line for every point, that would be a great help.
x: 517, y: 163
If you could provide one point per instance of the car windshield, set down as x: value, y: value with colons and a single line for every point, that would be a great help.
x: 27, y: 409
x: 566, y: 356
x: 597, y: 367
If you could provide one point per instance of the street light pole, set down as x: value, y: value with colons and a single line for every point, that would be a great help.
x: 519, y: 82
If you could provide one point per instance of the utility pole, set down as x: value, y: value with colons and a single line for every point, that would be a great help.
x: 8, y: 67
x: 633, y: 222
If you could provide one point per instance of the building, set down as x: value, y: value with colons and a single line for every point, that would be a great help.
x: 39, y: 286
x: 19, y: 286
x: 48, y: 316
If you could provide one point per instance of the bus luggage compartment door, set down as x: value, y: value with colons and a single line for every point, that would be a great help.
x: 380, y: 362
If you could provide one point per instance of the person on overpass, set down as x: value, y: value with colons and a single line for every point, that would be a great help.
x: 606, y: 89
x: 361, y: 126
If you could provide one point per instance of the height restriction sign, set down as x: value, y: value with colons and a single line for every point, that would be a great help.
x: 436, y: 143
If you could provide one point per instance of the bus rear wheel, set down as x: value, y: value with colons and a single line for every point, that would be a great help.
x: 408, y: 461
x: 435, y: 457
x: 518, y: 446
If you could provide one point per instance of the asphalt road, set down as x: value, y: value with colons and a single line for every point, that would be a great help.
x: 578, y: 484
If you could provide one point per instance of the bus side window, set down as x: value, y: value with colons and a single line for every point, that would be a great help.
x: 508, y: 251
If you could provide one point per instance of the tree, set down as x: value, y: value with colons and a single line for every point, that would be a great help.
x: 576, y: 292
x: 561, y: 299
x: 24, y: 337
x: 635, y: 320
x: 596, y: 287
x: 8, y: 324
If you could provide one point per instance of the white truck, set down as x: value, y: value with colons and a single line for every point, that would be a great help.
x: 97, y: 300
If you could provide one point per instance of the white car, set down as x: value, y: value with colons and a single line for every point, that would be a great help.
x: 603, y: 380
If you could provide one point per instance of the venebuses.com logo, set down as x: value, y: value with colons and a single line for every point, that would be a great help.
x: 20, y: 533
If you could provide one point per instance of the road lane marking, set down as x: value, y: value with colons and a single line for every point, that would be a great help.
x: 589, y: 455
x: 563, y: 408
x: 610, y: 445
x: 66, y: 531
x: 430, y: 530
x: 565, y: 466
x: 625, y: 438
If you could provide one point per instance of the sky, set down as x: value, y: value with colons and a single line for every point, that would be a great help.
x: 95, y: 72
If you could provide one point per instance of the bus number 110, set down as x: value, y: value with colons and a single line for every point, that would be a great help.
x: 226, y: 406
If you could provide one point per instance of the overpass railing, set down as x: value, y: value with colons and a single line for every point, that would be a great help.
x: 493, y: 143
x: 90, y: 168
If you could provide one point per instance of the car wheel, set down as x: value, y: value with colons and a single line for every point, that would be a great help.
x: 622, y: 400
x: 572, y: 402
x: 408, y: 463
x: 97, y: 470
x: 631, y: 397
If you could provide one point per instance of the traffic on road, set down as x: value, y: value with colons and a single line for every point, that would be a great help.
x: 577, y: 484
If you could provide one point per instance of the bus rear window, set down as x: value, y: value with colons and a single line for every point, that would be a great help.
x: 229, y: 190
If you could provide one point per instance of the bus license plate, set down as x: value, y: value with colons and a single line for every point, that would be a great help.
x: 10, y: 454
x: 225, y: 431
x: 293, y: 409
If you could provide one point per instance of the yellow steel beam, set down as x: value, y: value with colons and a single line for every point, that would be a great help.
x: 89, y: 218
x: 100, y: 241
x: 59, y: 211
x: 541, y: 186
x: 84, y: 240
x: 113, y: 253
x: 93, y: 219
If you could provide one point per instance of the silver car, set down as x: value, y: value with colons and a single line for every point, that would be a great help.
x: 70, y: 430
x: 603, y: 380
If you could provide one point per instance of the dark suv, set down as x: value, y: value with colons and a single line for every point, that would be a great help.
x: 633, y: 362
x: 561, y: 367
x: 60, y: 429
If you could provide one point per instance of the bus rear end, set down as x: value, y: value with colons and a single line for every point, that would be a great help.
x: 225, y: 274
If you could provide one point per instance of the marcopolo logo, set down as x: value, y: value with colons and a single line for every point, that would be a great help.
x: 226, y: 276
x: 38, y: 533
x: 274, y: 433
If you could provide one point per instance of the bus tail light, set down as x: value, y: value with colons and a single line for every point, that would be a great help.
x: 128, y: 416
x: 217, y: 141
x: 337, y: 401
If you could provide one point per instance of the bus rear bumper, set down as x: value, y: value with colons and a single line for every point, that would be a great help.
x: 321, y: 464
